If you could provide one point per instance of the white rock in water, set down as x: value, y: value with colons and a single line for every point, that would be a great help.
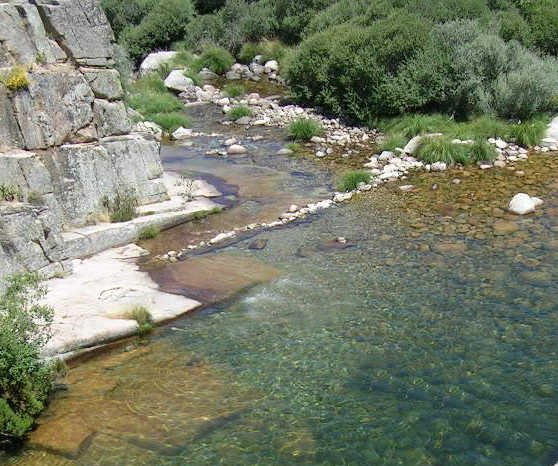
x: 236, y: 149
x: 182, y: 133
x: 154, y: 60
x: 231, y: 141
x: 522, y: 204
x: 285, y: 151
x: 438, y: 167
x: 177, y: 81
x: 222, y: 237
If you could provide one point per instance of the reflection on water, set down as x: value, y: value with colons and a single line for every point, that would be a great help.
x: 431, y: 341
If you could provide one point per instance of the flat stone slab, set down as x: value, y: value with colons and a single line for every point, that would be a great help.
x: 82, y: 242
x: 91, y: 305
x: 212, y: 278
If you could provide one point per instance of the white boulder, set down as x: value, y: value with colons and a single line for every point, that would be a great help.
x: 154, y: 60
x: 235, y: 149
x: 177, y: 81
x: 182, y: 133
x: 522, y: 204
x: 271, y: 66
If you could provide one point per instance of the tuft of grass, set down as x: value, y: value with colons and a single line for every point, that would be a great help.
x: 268, y: 49
x: 123, y: 206
x: 441, y: 149
x: 413, y: 125
x: 154, y: 102
x: 16, y: 79
x: 169, y: 121
x: 195, y: 77
x: 144, y: 319
x: 234, y: 90
x: 393, y: 141
x: 10, y: 193
x: 149, y: 232
x: 239, y: 111
x: 481, y: 151
x: 529, y: 133
x: 350, y: 180
x: 305, y: 129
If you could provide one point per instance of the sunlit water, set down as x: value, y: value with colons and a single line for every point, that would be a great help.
x: 429, y: 340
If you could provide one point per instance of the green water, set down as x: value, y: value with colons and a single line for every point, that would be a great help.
x: 429, y: 340
x: 411, y: 347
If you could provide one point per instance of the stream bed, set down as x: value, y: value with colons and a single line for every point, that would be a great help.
x: 426, y: 336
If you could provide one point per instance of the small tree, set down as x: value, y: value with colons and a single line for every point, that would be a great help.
x: 25, y: 380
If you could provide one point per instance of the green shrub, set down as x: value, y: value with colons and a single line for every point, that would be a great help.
x: 236, y: 23
x: 305, y: 129
x: 25, y: 379
x: 339, y: 13
x: 149, y: 232
x: 529, y: 133
x: 208, y: 6
x: 164, y: 23
x: 542, y: 16
x: 350, y: 180
x: 239, y: 111
x: 216, y: 59
x: 123, y: 206
x: 247, y: 52
x: 144, y: 319
x: 154, y: 102
x: 512, y: 26
x: 481, y: 151
x: 441, y: 149
x: 349, y: 70
x: 234, y: 90
x: 123, y: 14
x: 416, y: 124
x: 170, y: 121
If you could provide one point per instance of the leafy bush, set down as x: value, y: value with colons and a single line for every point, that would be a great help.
x: 304, y: 129
x: 234, y: 90
x: 25, y: 379
x: 16, y: 79
x: 338, y: 13
x: 216, y: 59
x: 267, y: 49
x: 123, y: 206
x: 350, y: 180
x: 123, y: 14
x: 349, y: 69
x: 208, y: 6
x: 236, y: 23
x: 512, y: 26
x: 238, y: 112
x: 165, y: 23
x: 542, y: 16
x: 149, y: 232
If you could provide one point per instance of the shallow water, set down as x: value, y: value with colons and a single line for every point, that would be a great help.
x: 430, y: 339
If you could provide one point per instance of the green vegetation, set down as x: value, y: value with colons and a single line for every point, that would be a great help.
x: 238, y: 112
x: 25, y: 379
x: 234, y: 90
x: 304, y: 129
x: 267, y: 49
x: 529, y: 133
x: 9, y: 193
x: 15, y: 79
x: 441, y: 149
x: 144, y: 319
x: 216, y: 59
x: 294, y: 147
x: 149, y: 232
x: 123, y: 206
x: 481, y: 151
x: 165, y: 22
x: 350, y: 180
x: 150, y: 97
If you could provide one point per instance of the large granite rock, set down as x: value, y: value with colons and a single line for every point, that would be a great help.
x: 23, y: 39
x: 111, y: 118
x: 81, y: 28
x: 105, y: 83
x: 57, y: 103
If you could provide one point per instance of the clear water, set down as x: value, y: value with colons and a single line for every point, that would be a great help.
x: 430, y: 340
